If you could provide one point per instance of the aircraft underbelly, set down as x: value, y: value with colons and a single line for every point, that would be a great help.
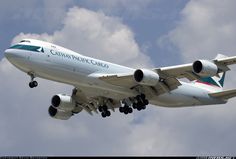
x: 185, y: 95
x: 174, y: 100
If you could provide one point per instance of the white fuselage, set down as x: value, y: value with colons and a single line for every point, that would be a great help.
x: 63, y: 65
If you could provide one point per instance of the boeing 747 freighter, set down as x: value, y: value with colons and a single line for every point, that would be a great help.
x: 101, y: 86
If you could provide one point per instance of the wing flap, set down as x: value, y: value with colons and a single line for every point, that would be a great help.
x: 172, y: 71
x: 224, y: 94
x: 179, y: 71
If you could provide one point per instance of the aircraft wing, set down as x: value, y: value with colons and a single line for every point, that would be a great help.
x: 168, y: 75
x: 127, y: 80
x: 186, y: 70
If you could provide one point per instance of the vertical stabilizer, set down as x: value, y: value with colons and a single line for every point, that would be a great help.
x: 215, y: 81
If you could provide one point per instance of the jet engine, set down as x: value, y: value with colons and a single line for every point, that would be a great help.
x: 59, y: 114
x: 63, y: 102
x: 205, y: 68
x: 146, y: 77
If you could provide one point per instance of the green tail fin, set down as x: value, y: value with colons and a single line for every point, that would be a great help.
x: 216, y: 81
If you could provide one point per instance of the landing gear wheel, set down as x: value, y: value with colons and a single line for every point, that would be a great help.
x: 121, y: 109
x: 144, y: 107
x: 35, y: 83
x: 103, y: 114
x: 100, y: 108
x: 108, y: 113
x: 130, y: 110
x: 126, y: 111
x: 139, y: 108
x: 31, y: 85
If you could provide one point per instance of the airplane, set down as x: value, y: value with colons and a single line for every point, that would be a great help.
x: 102, y: 87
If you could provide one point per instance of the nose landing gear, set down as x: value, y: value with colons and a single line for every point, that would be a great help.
x: 32, y: 83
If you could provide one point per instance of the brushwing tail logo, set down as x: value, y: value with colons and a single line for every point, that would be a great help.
x: 215, y: 81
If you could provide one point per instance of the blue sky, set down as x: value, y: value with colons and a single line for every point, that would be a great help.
x: 137, y: 33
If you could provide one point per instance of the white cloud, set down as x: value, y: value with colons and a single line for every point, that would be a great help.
x: 207, y: 28
x: 97, y: 35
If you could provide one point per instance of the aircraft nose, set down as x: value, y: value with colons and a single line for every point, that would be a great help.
x: 13, y: 56
x: 17, y: 58
x: 9, y: 54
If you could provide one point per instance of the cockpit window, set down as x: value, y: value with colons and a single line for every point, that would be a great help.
x: 28, y: 47
x: 24, y: 41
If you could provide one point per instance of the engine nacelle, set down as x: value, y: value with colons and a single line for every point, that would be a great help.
x: 63, y: 102
x: 205, y: 68
x: 146, y: 77
x: 59, y: 114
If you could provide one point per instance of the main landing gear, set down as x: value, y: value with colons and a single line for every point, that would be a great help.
x: 138, y: 103
x: 32, y: 83
x: 126, y: 109
x: 104, y: 111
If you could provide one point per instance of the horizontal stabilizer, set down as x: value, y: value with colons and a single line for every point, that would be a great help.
x: 224, y: 94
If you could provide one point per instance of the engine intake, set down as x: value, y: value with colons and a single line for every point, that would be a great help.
x: 59, y: 114
x: 146, y: 77
x: 63, y: 102
x: 205, y: 68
